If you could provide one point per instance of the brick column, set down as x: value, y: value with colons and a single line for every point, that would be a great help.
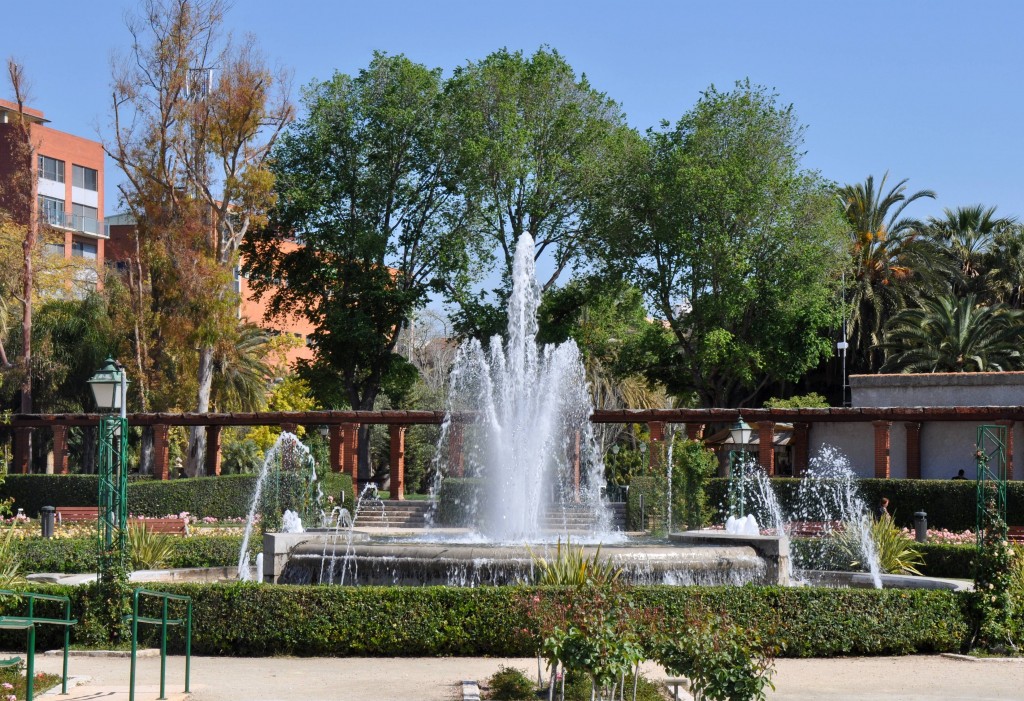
x: 455, y: 456
x: 22, y: 450
x: 161, y: 456
x: 656, y: 429
x: 882, y: 430
x: 695, y: 432
x: 913, y: 449
x: 397, y: 461
x: 213, y: 451
x: 60, y: 449
x: 801, y: 447
x: 334, y: 435
x: 350, y: 456
x: 289, y: 428
x: 1009, y: 447
x: 766, y: 446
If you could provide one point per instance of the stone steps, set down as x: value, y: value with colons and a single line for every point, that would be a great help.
x: 412, y: 514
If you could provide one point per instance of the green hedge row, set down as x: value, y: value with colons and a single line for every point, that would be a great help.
x: 950, y: 504
x: 457, y: 499
x: 74, y: 555
x: 265, y: 620
x: 227, y: 496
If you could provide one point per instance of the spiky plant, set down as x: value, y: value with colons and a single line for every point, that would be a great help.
x: 10, y: 562
x: 571, y: 567
x: 149, y: 550
x: 897, y: 554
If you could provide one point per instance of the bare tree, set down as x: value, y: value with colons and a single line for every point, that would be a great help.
x: 195, y: 116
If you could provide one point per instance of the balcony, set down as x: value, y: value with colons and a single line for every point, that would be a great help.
x: 74, y: 222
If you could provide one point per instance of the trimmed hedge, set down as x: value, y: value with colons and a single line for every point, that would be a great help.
x: 948, y: 560
x: 265, y: 620
x: 950, y: 504
x: 227, y: 496
x: 75, y: 555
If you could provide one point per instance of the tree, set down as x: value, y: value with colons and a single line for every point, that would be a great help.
x: 18, y: 199
x: 968, y: 236
x: 194, y: 121
x: 1006, y: 267
x: 731, y: 243
x: 954, y: 334
x: 365, y: 186
x: 536, y: 143
x: 887, y: 251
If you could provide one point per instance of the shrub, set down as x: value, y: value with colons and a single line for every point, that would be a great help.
x: 265, y: 620
x: 896, y: 553
x: 76, y: 555
x: 457, y: 498
x: 571, y: 567
x: 510, y: 683
x: 645, y: 502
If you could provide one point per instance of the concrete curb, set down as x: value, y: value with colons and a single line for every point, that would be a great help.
x: 470, y: 690
x: 972, y: 658
x: 72, y: 683
x: 145, y: 652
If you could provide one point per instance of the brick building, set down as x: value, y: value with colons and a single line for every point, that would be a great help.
x: 69, y: 188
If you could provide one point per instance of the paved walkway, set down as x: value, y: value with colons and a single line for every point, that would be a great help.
x: 434, y: 679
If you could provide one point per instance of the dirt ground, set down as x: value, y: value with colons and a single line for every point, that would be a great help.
x: 436, y: 679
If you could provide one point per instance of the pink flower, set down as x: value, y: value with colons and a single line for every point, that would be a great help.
x: 7, y: 686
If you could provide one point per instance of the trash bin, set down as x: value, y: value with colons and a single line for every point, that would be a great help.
x: 921, y: 526
x: 46, y: 520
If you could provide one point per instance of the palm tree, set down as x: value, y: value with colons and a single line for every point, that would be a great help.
x: 886, y: 252
x: 954, y: 334
x: 241, y: 372
x: 1006, y: 267
x: 967, y: 235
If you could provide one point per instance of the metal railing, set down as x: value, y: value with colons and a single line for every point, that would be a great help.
x: 163, y: 622
x: 76, y: 222
x: 29, y: 622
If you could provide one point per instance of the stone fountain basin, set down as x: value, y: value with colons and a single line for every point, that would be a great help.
x: 301, y: 558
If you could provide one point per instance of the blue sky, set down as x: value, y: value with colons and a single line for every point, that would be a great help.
x: 930, y: 91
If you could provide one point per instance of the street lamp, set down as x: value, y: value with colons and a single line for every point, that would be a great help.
x: 110, y: 389
x: 739, y: 436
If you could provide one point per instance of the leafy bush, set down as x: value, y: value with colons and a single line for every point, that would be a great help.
x: 723, y: 661
x: 896, y: 553
x: 692, y: 466
x: 571, y: 567
x: 264, y: 620
x: 511, y: 684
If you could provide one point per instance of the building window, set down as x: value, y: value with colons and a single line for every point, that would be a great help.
x: 83, y: 249
x: 51, y: 210
x: 85, y: 218
x: 55, y: 249
x: 51, y: 169
x: 83, y: 177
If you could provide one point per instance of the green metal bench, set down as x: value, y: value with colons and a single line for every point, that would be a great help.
x: 29, y: 622
x: 163, y: 622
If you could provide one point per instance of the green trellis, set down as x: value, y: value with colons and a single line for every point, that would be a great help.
x: 113, y: 491
x: 991, y: 477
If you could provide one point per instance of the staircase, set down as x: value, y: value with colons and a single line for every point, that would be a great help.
x: 397, y: 514
x: 412, y: 514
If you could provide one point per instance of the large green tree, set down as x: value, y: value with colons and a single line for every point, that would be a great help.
x: 732, y: 243
x: 362, y: 232
x: 536, y: 142
x: 967, y: 237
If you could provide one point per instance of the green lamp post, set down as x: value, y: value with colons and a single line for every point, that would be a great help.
x: 739, y: 436
x: 110, y: 389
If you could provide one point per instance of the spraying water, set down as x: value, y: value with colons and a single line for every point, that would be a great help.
x: 526, y: 412
x: 287, y: 454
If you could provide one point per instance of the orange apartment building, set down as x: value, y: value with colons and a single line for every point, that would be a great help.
x: 70, y: 187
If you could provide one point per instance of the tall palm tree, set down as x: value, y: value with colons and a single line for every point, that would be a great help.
x: 954, y: 334
x: 967, y: 236
x: 1006, y: 267
x: 886, y: 250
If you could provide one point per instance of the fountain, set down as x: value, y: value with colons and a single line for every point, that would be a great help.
x: 517, y: 424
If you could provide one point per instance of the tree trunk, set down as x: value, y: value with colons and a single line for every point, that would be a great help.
x: 146, y: 451
x: 197, y: 436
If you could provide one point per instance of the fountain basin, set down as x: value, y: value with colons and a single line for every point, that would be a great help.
x: 303, y: 558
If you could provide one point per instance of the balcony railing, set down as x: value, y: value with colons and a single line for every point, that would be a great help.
x: 75, y: 222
